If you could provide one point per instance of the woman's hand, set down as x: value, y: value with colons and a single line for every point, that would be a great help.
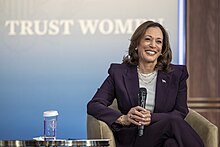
x: 139, y: 116
x: 136, y: 115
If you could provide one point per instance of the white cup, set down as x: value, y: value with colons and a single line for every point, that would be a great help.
x: 50, y: 124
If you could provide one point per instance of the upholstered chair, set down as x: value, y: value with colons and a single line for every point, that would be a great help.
x: 208, y: 132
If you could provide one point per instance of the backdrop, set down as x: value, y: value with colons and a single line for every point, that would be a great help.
x: 55, y: 54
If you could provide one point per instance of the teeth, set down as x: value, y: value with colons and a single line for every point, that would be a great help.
x: 151, y: 52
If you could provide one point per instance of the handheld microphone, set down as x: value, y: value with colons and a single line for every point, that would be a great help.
x: 142, y: 95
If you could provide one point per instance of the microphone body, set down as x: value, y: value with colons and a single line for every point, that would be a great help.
x: 142, y: 96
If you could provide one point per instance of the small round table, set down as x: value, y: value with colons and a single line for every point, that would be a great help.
x: 77, y: 143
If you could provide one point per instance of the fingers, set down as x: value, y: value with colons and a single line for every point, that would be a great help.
x: 132, y: 119
x: 139, y: 108
x: 146, y: 120
x: 139, y: 116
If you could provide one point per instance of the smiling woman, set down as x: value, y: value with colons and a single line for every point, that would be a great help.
x: 147, y: 66
x: 150, y: 47
x: 55, y: 69
x: 150, y: 40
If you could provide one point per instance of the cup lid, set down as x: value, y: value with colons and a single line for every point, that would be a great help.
x: 50, y: 113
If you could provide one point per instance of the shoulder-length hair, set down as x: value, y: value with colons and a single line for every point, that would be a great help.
x: 163, y: 61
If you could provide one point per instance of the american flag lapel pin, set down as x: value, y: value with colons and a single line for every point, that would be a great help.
x: 164, y: 81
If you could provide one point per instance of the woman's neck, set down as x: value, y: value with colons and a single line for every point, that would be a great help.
x: 146, y: 68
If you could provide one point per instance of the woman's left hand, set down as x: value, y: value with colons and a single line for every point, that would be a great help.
x: 139, y: 116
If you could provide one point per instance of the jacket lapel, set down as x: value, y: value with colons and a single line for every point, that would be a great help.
x: 132, y: 84
x: 162, y: 87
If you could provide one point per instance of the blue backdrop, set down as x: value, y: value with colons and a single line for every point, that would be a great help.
x: 55, y: 54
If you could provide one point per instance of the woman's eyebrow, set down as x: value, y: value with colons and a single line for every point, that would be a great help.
x: 153, y: 37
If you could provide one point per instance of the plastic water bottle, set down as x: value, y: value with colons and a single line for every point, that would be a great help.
x: 50, y: 125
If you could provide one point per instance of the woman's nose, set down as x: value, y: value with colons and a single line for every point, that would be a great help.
x: 152, y: 43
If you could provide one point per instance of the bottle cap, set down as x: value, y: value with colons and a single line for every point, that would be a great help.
x: 50, y: 113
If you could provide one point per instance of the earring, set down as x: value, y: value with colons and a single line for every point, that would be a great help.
x: 136, y: 48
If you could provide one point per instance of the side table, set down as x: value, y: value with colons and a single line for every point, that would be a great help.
x: 36, y: 143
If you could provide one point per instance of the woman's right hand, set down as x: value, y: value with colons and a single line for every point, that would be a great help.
x: 136, y: 115
x: 139, y: 116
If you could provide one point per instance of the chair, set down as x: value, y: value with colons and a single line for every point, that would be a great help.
x: 208, y: 132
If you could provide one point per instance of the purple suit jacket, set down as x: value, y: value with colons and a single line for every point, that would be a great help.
x: 122, y: 83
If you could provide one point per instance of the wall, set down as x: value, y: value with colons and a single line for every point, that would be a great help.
x: 55, y: 54
x: 203, y: 57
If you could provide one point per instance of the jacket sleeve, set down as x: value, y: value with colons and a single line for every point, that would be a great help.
x: 181, y: 109
x: 98, y: 106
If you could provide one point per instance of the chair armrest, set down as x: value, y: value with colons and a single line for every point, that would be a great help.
x: 97, y: 129
x: 204, y: 128
x: 208, y: 132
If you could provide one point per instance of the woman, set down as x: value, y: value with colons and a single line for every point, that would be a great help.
x: 148, y: 65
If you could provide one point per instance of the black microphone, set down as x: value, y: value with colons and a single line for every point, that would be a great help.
x: 142, y: 95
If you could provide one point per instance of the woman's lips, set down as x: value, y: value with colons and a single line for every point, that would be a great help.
x: 150, y: 52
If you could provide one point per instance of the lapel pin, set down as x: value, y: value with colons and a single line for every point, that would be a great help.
x: 164, y: 81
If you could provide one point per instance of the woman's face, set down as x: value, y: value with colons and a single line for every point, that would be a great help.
x: 150, y: 46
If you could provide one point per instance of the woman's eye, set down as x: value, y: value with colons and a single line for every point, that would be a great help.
x: 147, y: 39
x: 159, y: 42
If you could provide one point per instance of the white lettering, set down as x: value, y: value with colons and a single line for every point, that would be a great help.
x: 53, y: 27
x: 88, y: 26
x: 25, y: 27
x: 125, y: 28
x: 12, y: 24
x: 160, y: 20
x: 37, y: 26
x: 139, y: 22
x: 106, y: 26
x: 66, y: 26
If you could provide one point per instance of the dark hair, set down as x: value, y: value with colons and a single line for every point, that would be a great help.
x: 163, y: 61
